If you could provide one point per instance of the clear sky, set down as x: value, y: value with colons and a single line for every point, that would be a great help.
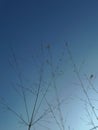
x: 24, y: 26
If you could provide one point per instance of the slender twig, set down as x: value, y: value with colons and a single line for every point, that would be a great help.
x: 37, y: 95
x: 55, y: 87
x: 20, y: 79
x: 5, y: 104
x: 91, y: 120
x: 80, y: 80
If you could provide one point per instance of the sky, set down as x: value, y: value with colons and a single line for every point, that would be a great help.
x: 28, y: 30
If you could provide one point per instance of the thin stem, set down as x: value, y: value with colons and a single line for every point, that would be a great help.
x: 55, y: 87
x: 79, y: 78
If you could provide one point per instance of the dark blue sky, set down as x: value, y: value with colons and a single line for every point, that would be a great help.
x: 24, y: 25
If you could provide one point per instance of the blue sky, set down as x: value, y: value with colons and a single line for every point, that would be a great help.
x: 24, y: 26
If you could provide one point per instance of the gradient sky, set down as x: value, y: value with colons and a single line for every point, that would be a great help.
x: 24, y: 26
